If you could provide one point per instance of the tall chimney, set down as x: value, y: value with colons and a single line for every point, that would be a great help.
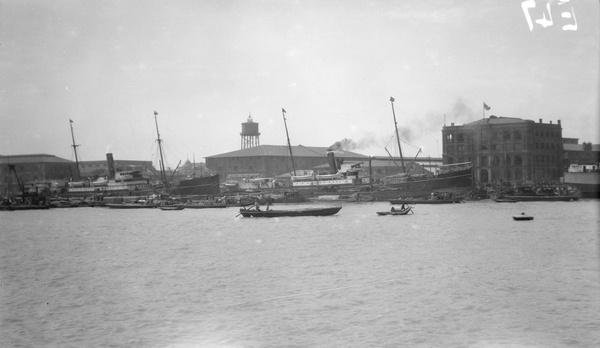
x: 331, y: 160
x: 111, y: 165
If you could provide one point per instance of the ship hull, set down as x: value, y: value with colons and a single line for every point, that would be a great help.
x: 422, y: 188
x: 542, y: 198
x: 206, y: 185
x: 588, y: 184
x: 141, y: 188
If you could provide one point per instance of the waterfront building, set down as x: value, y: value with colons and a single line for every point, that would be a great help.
x: 274, y: 160
x: 38, y: 172
x: 32, y: 170
x: 506, y: 149
x: 575, y: 153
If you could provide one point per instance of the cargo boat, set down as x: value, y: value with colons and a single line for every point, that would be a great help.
x: 453, y: 178
x: 585, y: 178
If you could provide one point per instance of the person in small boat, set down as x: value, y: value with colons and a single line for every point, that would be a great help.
x: 403, y: 207
x: 268, y: 204
x: 393, y: 210
x: 256, y: 206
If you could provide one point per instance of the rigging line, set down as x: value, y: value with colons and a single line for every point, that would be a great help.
x: 416, y: 147
x: 391, y: 138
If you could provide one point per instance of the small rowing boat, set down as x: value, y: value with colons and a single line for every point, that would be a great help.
x: 522, y: 217
x: 171, y: 207
x: 393, y: 211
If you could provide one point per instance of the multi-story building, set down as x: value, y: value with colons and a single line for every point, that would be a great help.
x: 506, y: 149
x: 575, y: 153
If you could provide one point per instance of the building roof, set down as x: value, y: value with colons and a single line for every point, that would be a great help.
x: 579, y: 147
x: 283, y: 151
x: 35, y: 158
x: 492, y: 120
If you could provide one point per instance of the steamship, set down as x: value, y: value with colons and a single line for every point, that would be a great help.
x: 124, y: 182
x: 354, y: 177
x: 133, y: 182
x: 349, y: 176
x: 117, y: 183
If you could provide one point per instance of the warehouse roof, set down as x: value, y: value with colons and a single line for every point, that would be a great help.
x: 282, y: 151
x: 35, y: 158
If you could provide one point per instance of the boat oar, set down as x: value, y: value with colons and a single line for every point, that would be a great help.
x: 244, y: 206
x: 240, y: 212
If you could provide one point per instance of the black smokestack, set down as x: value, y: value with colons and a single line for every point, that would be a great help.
x: 111, y: 165
x: 331, y: 161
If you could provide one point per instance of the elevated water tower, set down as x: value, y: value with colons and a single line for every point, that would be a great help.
x: 250, y: 134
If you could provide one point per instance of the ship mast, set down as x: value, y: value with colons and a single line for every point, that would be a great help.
x: 75, y: 151
x: 397, y: 136
x: 288, y: 140
x: 162, y: 162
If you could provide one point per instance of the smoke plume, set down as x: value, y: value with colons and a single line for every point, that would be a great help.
x: 350, y: 145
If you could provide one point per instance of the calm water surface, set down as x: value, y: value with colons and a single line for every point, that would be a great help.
x: 463, y: 275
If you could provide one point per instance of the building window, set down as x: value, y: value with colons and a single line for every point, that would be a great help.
x: 517, y: 135
x: 518, y: 160
x: 506, y: 135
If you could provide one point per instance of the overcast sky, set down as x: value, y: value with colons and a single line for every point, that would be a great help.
x: 204, y: 66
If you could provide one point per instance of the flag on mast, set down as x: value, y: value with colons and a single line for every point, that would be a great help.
x: 70, y: 120
x: 486, y: 107
x: 283, y: 110
x: 155, y: 113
